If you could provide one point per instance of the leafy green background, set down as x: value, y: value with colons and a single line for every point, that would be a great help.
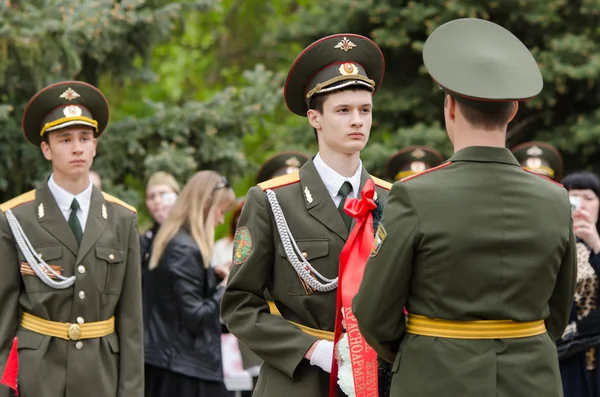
x: 197, y: 84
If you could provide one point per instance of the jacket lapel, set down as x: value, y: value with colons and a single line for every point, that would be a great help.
x: 318, y: 201
x: 95, y: 224
x: 51, y: 218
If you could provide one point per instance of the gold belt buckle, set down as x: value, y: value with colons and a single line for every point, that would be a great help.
x: 74, y: 332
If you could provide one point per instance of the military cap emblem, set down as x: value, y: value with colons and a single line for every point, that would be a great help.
x: 348, y: 69
x: 535, y: 151
x: 69, y: 94
x: 345, y: 45
x: 293, y: 162
x: 418, y: 153
x: 418, y: 166
x: 72, y: 111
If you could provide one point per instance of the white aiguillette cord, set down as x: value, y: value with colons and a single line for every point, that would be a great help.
x: 39, y: 267
x: 293, y: 253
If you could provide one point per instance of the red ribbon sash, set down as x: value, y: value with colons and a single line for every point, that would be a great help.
x: 353, y: 259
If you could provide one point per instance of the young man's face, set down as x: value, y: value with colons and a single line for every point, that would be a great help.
x: 345, y: 124
x: 71, y: 151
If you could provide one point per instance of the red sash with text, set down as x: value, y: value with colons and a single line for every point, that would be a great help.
x: 353, y: 259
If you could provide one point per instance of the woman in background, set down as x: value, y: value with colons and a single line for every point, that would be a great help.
x: 161, y: 192
x: 578, y: 348
x: 182, y: 295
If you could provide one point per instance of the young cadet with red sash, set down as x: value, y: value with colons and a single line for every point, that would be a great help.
x: 293, y: 228
x: 479, y: 250
x: 70, y: 289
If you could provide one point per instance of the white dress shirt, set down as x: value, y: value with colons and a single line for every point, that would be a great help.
x: 64, y: 200
x: 334, y: 181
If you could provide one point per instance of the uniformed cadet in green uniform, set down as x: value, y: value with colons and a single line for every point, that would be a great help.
x: 291, y: 230
x: 282, y: 163
x: 479, y: 250
x: 541, y: 158
x: 70, y: 286
x: 412, y: 160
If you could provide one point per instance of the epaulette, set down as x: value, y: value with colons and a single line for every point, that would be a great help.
x: 280, y: 181
x: 115, y: 200
x: 542, y: 176
x: 439, y: 167
x: 381, y: 183
x: 15, y: 202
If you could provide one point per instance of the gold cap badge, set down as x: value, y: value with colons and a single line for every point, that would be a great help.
x: 535, y: 151
x: 72, y: 111
x: 418, y: 153
x: 293, y: 162
x: 345, y: 45
x: 69, y: 94
x: 348, y: 69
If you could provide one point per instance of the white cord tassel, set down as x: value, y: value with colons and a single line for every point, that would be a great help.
x: 293, y: 253
x: 37, y: 264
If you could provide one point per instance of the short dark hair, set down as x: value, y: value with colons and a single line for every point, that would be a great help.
x: 317, y: 101
x: 582, y: 180
x: 485, y: 115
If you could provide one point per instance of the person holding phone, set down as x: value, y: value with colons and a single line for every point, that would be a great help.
x: 577, y: 349
x: 161, y: 193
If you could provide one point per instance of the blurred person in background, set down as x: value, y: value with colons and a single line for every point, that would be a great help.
x: 541, y: 158
x: 577, y: 350
x: 161, y: 192
x: 223, y: 250
x: 182, y: 295
x: 412, y: 160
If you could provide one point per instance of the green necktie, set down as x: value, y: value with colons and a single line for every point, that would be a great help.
x: 74, y: 221
x: 344, y: 191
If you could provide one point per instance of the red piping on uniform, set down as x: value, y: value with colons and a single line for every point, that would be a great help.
x: 542, y: 176
x: 427, y: 171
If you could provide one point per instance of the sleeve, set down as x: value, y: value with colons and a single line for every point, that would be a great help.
x: 561, y: 301
x: 10, y: 288
x: 188, y: 286
x: 128, y: 316
x: 244, y: 308
x: 385, y: 285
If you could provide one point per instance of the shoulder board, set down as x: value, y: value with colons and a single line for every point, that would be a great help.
x: 381, y: 183
x: 115, y: 200
x: 439, y: 167
x: 280, y: 181
x: 15, y: 202
x: 542, y: 176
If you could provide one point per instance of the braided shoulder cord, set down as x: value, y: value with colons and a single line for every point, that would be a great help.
x: 293, y: 253
x: 37, y: 264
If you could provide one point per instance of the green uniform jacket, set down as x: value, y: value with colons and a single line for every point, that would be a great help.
x: 478, y: 238
x: 108, y: 283
x: 320, y: 233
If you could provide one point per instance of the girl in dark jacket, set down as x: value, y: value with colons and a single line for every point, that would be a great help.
x: 182, y: 295
x: 578, y: 348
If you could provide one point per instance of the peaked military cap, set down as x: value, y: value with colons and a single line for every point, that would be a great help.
x: 412, y: 160
x: 477, y: 59
x: 541, y: 158
x: 62, y: 105
x: 332, y: 63
x: 281, y: 164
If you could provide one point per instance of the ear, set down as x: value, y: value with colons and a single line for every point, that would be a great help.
x: 514, y: 111
x: 314, y: 118
x: 95, y: 142
x: 45, y: 147
x: 449, y: 107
